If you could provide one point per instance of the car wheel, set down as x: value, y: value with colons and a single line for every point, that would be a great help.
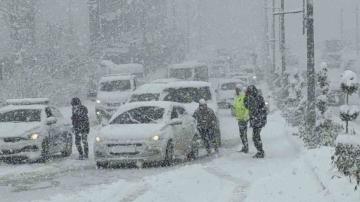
x: 194, y: 153
x: 45, y: 152
x: 169, y: 154
x: 68, y: 147
x: 101, y: 165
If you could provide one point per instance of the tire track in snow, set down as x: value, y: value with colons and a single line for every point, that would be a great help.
x: 239, y: 192
x: 135, y: 193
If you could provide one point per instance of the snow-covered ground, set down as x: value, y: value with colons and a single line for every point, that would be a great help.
x: 288, y: 173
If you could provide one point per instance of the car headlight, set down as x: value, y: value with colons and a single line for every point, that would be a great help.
x: 266, y: 103
x: 34, y: 136
x: 156, y: 137
x: 98, y: 101
x: 254, y: 77
x: 98, y: 139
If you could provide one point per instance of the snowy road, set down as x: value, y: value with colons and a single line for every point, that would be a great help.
x: 231, y: 176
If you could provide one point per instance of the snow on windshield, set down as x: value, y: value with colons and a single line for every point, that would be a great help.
x: 21, y: 115
x: 141, y: 115
x: 188, y: 95
x: 118, y: 85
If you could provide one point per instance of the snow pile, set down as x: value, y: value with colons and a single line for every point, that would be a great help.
x: 349, y: 78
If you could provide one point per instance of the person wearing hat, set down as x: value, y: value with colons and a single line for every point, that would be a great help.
x: 81, y: 126
x: 255, y: 103
x: 206, y: 125
x: 242, y: 116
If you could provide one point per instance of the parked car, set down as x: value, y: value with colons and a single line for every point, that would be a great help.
x: 191, y: 71
x: 33, y: 130
x: 113, y: 91
x: 147, y: 132
x: 187, y: 93
x: 226, y: 92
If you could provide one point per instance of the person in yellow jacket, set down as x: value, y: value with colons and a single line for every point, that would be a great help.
x: 242, y: 116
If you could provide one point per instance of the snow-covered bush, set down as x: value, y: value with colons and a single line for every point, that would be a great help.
x: 347, y: 156
x: 349, y: 85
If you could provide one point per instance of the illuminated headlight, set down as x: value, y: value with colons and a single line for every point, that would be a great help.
x: 254, y: 77
x: 98, y: 113
x: 156, y: 138
x: 34, y: 136
x: 98, y: 101
x: 98, y: 139
x: 266, y: 103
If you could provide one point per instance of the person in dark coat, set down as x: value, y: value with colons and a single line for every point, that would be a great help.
x: 254, y: 101
x: 206, y: 125
x: 81, y: 126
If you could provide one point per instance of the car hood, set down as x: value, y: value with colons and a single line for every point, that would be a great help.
x: 17, y: 129
x: 130, y: 132
x: 113, y: 97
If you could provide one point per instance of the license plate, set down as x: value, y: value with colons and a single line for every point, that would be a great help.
x: 123, y: 149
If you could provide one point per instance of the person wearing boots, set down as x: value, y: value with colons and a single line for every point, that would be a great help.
x: 242, y: 116
x: 255, y: 103
x: 81, y: 126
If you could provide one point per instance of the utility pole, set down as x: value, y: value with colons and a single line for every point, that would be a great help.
x: 266, y: 37
x: 282, y: 38
x: 357, y: 39
x: 273, y: 36
x: 311, y: 113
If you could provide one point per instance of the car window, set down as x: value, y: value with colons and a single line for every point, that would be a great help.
x: 145, y: 97
x: 174, y: 114
x: 140, y: 115
x: 118, y: 85
x: 180, y: 111
x: 56, y: 113
x: 48, y: 112
x: 21, y: 115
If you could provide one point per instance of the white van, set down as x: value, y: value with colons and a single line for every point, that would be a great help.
x: 113, y: 91
x: 191, y: 71
x: 135, y: 69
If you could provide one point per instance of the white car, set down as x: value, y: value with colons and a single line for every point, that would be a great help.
x: 226, y: 91
x: 147, y: 132
x: 113, y: 91
x: 33, y: 130
x: 188, y: 93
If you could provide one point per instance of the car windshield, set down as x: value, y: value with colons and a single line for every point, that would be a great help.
x: 140, y: 115
x: 181, y: 73
x: 188, y: 95
x: 21, y: 115
x: 229, y: 86
x: 118, y: 85
x: 145, y: 97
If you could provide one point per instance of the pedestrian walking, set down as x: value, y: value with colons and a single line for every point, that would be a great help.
x: 81, y: 127
x: 255, y: 103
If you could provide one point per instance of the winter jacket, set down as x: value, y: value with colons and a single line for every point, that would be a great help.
x: 205, y: 119
x: 257, y: 108
x: 80, y: 119
x: 241, y: 112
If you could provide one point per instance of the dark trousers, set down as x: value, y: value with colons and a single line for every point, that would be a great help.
x: 243, y: 133
x: 208, y: 137
x: 257, y: 140
x: 82, y: 137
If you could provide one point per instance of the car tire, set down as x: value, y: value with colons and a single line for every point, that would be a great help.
x: 169, y: 153
x: 68, y: 147
x: 194, y: 152
x: 45, y: 152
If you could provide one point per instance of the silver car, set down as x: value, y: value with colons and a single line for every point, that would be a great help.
x: 147, y: 132
x: 32, y: 130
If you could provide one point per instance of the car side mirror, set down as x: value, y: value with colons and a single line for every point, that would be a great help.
x: 51, y: 121
x: 175, y: 122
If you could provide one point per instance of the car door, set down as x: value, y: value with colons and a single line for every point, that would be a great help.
x: 183, y: 136
x: 176, y: 128
x: 58, y: 135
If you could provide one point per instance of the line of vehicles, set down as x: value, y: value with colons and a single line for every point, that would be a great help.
x: 140, y: 123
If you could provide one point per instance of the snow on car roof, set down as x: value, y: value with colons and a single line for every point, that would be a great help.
x: 168, y: 80
x: 16, y: 107
x: 188, y: 84
x: 115, y: 77
x: 153, y: 88
x: 231, y: 80
x: 28, y: 101
x: 133, y: 105
x: 186, y: 65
